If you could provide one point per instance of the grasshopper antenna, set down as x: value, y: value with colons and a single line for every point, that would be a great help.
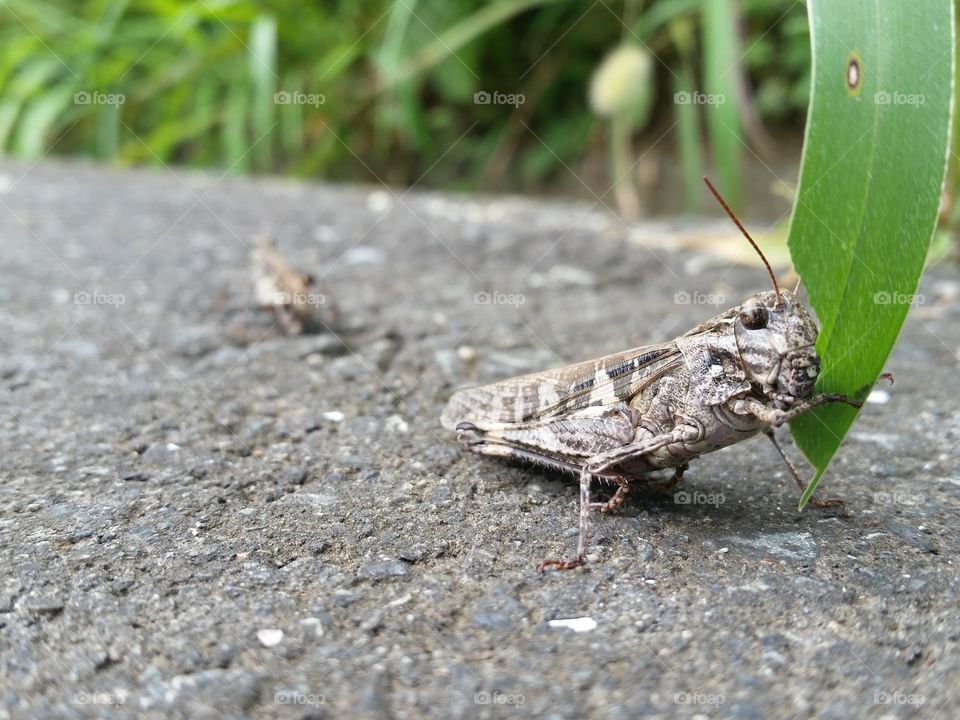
x: 723, y: 204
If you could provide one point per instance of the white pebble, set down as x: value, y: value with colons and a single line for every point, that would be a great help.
x: 362, y: 255
x: 333, y: 416
x: 578, y: 625
x: 270, y: 637
x: 395, y: 423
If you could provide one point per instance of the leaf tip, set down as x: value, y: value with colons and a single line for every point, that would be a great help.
x: 811, y: 486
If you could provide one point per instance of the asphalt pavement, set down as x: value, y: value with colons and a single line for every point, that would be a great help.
x: 204, y: 517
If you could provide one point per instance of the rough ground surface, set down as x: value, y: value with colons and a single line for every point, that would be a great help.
x: 194, y: 526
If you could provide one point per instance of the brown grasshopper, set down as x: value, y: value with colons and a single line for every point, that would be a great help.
x: 621, y: 417
x: 287, y: 291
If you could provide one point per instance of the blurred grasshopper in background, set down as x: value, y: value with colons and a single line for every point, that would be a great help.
x: 291, y: 294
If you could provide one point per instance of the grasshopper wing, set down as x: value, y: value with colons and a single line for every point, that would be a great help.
x: 552, y: 393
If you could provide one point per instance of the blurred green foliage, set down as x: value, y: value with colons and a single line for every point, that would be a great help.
x: 386, y: 90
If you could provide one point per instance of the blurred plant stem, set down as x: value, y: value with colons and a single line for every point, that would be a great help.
x: 621, y: 168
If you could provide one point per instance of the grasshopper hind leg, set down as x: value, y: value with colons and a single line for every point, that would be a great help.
x: 578, y: 560
x: 479, y: 441
x: 563, y: 443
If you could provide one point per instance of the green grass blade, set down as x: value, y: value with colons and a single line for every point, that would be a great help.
x: 262, y: 57
x: 687, y: 115
x: 873, y: 168
x: 459, y: 34
x: 721, y: 51
x: 39, y: 118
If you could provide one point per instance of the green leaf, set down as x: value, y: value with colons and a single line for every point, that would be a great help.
x: 873, y: 168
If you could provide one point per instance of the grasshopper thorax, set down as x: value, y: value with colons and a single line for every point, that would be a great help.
x: 775, y: 336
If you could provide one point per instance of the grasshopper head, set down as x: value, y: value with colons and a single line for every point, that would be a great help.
x: 774, y: 335
x: 776, y: 339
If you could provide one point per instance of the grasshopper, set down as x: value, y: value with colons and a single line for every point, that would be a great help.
x: 621, y: 417
x: 288, y: 292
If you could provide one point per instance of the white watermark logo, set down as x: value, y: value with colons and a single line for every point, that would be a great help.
x: 714, y: 700
x: 498, y: 698
x: 85, y: 297
x: 482, y: 97
x: 95, y: 97
x: 898, y: 98
x: 684, y: 497
x: 899, y: 498
x: 898, y: 698
x: 114, y: 699
x: 898, y: 298
x: 499, y: 298
x: 295, y: 97
x: 299, y: 298
x: 698, y: 98
x: 295, y: 697
x: 698, y: 298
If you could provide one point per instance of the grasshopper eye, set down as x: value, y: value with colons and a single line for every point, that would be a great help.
x: 754, y: 317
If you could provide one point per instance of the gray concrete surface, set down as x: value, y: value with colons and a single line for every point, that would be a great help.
x: 195, y: 526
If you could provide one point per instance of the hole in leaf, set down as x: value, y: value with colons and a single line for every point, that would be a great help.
x: 854, y: 74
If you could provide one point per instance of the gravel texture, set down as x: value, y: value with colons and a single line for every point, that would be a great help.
x: 205, y: 518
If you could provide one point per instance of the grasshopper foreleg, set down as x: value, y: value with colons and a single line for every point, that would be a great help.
x: 774, y: 417
x: 816, y: 502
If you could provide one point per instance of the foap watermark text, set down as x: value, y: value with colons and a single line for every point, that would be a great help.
x: 499, y: 298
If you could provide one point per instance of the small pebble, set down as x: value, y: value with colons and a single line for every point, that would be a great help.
x: 396, y: 424
x: 270, y: 637
x: 578, y: 625
x: 363, y: 255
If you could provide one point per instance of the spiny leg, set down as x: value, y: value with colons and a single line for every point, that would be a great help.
x: 600, y: 464
x: 623, y: 485
x: 816, y: 502
x: 603, y: 462
x: 585, y: 479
